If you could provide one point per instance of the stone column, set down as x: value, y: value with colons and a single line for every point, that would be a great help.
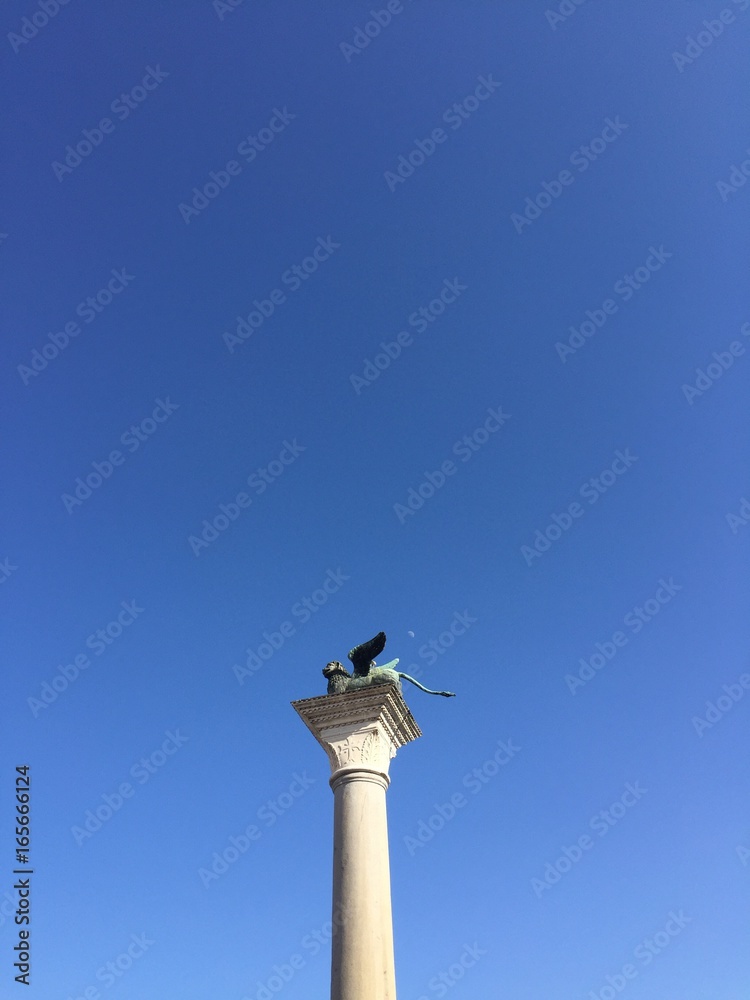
x: 361, y: 731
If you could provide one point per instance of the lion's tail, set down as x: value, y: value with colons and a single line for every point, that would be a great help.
x: 445, y: 694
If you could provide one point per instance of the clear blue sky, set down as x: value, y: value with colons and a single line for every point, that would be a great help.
x: 316, y: 326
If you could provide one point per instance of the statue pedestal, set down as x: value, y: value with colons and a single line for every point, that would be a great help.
x: 361, y: 732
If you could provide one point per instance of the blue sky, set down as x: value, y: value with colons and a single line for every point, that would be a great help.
x: 320, y: 322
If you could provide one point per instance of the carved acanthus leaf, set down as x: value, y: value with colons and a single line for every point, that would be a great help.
x: 364, y: 749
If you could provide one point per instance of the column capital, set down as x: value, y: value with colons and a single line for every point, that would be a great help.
x: 360, y: 730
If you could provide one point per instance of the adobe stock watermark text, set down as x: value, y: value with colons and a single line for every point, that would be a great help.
x: 624, y: 288
x: 219, y: 180
x: 302, y: 610
x: 131, y: 439
x: 98, y: 642
x: 634, y: 621
x: 122, y: 107
x: 592, y: 490
x: 292, y: 278
x: 259, y: 481
x: 601, y: 823
x: 420, y: 320
x: 455, y: 115
x: 581, y: 158
x: 87, y: 310
x: 465, y: 449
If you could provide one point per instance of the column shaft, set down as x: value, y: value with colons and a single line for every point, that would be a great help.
x: 362, y: 961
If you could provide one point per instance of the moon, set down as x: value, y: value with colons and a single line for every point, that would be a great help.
x: 411, y: 635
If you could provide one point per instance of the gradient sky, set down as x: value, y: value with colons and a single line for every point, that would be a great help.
x: 319, y: 322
